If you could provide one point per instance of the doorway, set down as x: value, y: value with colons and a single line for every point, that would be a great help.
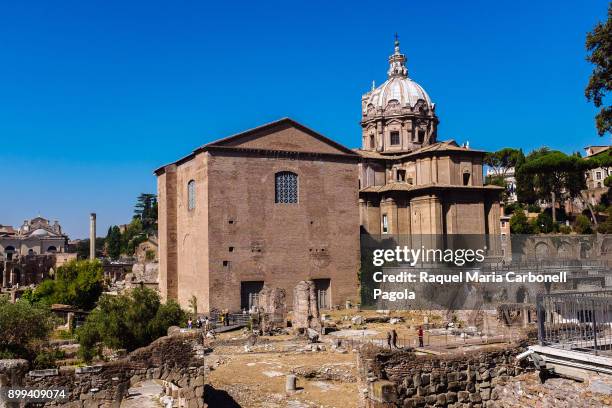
x: 322, y: 289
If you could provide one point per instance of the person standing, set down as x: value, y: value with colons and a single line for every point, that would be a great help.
x: 189, y: 324
x: 394, y: 338
x: 389, y: 340
x: 420, y: 336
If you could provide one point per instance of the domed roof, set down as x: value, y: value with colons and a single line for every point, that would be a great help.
x: 398, y: 91
x: 40, y: 232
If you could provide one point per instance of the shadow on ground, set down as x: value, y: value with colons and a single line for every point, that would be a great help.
x: 219, y: 398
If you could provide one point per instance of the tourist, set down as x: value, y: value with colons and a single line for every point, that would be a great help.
x: 420, y: 336
x: 206, y: 325
x: 189, y: 323
x: 389, y: 339
x: 394, y: 338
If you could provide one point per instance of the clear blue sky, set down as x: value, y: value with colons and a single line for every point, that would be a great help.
x: 94, y: 95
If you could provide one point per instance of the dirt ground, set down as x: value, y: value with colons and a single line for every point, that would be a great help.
x: 257, y: 378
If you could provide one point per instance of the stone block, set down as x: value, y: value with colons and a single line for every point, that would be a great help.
x: 451, y: 397
x: 463, y: 396
x: 441, y: 399
x: 383, y: 391
x: 424, y: 379
x: 475, y: 397
x: 485, y: 394
x: 453, y: 386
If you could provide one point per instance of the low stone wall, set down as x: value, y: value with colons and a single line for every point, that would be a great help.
x: 174, y: 359
x: 404, y: 379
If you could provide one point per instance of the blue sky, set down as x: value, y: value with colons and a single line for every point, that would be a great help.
x: 94, y: 95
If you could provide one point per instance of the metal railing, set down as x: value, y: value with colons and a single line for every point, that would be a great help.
x: 577, y: 321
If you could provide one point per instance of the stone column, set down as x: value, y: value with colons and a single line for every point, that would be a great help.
x: 92, y: 236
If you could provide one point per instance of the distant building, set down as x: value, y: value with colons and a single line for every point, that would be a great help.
x: 595, y: 177
x: 35, y: 237
x: 510, y: 179
x: 30, y: 253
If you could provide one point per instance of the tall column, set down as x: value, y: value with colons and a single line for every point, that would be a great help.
x: 92, y: 236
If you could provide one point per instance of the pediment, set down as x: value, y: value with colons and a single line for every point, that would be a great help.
x: 283, y: 135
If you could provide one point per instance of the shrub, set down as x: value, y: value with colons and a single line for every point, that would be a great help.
x: 564, y: 229
x: 47, y: 359
x: 519, y: 224
x: 127, y: 321
x: 582, y: 225
x: 77, y: 283
x: 513, y: 208
x: 606, y: 226
x: 534, y: 208
x: 545, y: 223
x: 22, y: 327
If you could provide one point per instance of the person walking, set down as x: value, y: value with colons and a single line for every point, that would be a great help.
x: 420, y: 336
x: 189, y: 324
x: 389, y: 340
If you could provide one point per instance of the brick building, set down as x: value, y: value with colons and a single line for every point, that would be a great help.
x: 276, y: 204
x: 281, y: 203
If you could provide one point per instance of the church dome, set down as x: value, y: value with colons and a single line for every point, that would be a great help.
x: 398, y: 91
x: 40, y: 233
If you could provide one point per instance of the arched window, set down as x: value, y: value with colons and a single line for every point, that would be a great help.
x: 191, y: 195
x: 286, y: 184
x: 52, y: 249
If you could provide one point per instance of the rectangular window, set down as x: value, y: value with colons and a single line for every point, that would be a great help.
x: 286, y: 188
x: 598, y: 175
x: 421, y: 136
x: 401, y: 175
x: 395, y: 139
x: 385, y: 224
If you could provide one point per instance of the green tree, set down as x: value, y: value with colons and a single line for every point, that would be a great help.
x: 146, y: 211
x: 555, y: 174
x: 525, y: 189
x: 127, y: 321
x: 519, y: 224
x: 113, y: 242
x: 77, y: 283
x: 133, y: 236
x: 23, y: 326
x: 544, y: 223
x: 599, y: 49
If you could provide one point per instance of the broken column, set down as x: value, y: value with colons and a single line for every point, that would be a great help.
x: 92, y: 236
x: 305, y: 307
x: 272, y: 303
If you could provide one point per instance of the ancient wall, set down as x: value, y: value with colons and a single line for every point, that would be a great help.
x: 281, y: 244
x: 177, y: 360
x: 403, y: 379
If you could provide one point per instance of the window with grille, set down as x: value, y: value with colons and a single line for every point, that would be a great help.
x: 395, y: 138
x: 286, y: 188
x: 191, y: 196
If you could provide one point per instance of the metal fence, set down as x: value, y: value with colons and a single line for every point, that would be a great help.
x: 577, y: 321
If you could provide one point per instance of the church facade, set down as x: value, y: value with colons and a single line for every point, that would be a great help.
x: 411, y: 184
x: 281, y: 203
